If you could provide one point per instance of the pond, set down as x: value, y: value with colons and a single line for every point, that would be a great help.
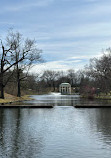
x: 59, y: 132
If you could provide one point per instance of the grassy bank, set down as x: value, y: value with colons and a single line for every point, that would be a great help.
x: 105, y: 97
x: 11, y: 99
x: 101, y: 96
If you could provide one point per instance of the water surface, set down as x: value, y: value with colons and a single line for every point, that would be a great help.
x: 59, y: 132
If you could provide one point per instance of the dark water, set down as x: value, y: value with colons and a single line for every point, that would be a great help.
x: 59, y: 132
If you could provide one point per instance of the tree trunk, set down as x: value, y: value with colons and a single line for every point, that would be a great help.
x: 2, y: 91
x: 18, y: 83
x: 53, y: 86
x: 18, y: 91
x: 1, y: 81
x: 1, y: 87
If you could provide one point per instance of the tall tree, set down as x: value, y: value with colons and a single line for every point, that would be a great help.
x: 72, y: 76
x: 99, y: 70
x: 23, y: 48
x: 6, y: 63
x: 17, y: 53
x: 50, y: 77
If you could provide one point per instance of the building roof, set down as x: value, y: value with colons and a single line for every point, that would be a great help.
x: 66, y: 84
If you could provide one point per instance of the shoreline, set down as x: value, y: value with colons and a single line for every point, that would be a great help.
x: 9, y: 99
x: 97, y: 97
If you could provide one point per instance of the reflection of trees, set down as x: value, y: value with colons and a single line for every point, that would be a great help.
x: 1, y: 126
x: 16, y: 138
x: 103, y: 119
x: 99, y: 120
x: 68, y: 100
x: 57, y: 100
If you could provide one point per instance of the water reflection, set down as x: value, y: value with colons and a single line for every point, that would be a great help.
x: 17, y: 135
x: 55, y: 98
x: 100, y: 122
x: 60, y: 132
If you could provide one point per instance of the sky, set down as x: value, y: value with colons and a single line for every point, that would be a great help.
x: 69, y: 32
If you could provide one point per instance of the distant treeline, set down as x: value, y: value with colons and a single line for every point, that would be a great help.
x: 95, y: 78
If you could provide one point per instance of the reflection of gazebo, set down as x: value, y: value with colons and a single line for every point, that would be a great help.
x: 65, y: 88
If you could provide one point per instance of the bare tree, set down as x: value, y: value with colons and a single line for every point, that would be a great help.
x: 16, y: 52
x: 99, y: 70
x: 50, y: 77
x: 23, y: 48
x: 6, y: 63
x: 72, y: 76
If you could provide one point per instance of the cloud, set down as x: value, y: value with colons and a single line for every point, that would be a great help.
x: 53, y: 65
x: 69, y: 32
x: 26, y: 5
x: 74, y: 62
x: 60, y: 65
x: 86, y: 57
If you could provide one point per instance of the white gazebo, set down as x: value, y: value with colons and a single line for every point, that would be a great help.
x: 65, y: 88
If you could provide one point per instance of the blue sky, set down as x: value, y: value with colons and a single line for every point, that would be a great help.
x: 69, y: 32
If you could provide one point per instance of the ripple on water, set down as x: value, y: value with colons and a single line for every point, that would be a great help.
x: 60, y: 132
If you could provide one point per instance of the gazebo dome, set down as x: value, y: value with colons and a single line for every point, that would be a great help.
x: 64, y: 84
